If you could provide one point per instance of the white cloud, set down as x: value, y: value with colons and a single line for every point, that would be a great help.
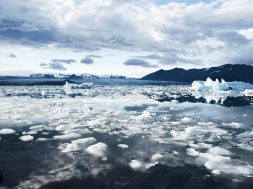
x: 198, y: 33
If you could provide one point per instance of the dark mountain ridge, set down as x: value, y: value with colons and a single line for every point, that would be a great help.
x: 229, y: 72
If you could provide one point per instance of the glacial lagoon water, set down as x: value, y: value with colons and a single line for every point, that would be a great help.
x: 125, y: 136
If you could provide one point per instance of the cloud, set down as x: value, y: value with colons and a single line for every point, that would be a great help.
x: 53, y: 66
x: 56, y: 66
x: 139, y: 62
x: 113, y: 24
x: 12, y: 55
x: 150, y: 56
x: 43, y: 64
x: 64, y: 61
x: 87, y: 60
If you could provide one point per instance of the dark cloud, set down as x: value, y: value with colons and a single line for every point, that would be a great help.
x: 139, y: 62
x: 231, y: 38
x: 56, y: 66
x: 87, y: 60
x: 64, y: 61
x: 43, y: 64
x: 12, y: 55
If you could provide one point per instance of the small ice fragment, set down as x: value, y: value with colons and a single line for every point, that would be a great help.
x: 97, y: 150
x: 67, y: 136
x: 26, y: 138
x: 123, y: 146
x: 218, y: 150
x: 136, y: 164
x: 79, y: 144
x: 197, y: 85
x: 192, y: 152
x: 43, y: 93
x: 233, y: 125
x: 42, y: 139
x: 156, y: 157
x: 6, y: 131
x: 216, y: 171
x: 186, y: 119
x: 248, y: 92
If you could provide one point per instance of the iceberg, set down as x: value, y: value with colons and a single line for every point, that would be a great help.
x: 248, y: 92
x: 69, y: 86
x: 210, y: 85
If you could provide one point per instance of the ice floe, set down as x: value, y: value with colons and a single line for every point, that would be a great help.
x: 172, y: 131
x: 67, y: 136
x: 248, y: 92
x: 79, y: 144
x: 123, y: 146
x: 156, y: 157
x: 98, y: 149
x: 7, y: 131
x: 69, y: 86
x: 26, y: 138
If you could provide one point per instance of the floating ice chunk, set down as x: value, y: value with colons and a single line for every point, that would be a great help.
x: 136, y: 164
x: 206, y: 124
x: 26, y: 138
x: 67, y: 136
x: 186, y: 119
x: 97, y: 150
x: 144, y: 115
x: 62, y: 128
x: 200, y: 145
x: 43, y: 93
x: 156, y: 157
x: 42, y: 139
x: 41, y: 128
x: 238, y: 85
x: 248, y: 92
x: 33, y: 132
x: 209, y: 82
x: 216, y: 172
x: 69, y: 86
x: 229, y: 168
x: 78, y: 131
x: 6, y: 131
x: 210, y: 85
x: 219, y: 150
x: 192, y: 152
x: 198, y: 85
x: 123, y: 146
x: 79, y: 144
x: 233, y: 125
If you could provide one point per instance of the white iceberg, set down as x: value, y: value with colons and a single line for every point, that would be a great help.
x: 69, y: 86
x: 26, y: 138
x: 98, y: 150
x: 79, y: 144
x: 210, y: 85
x: 6, y: 131
x: 136, y: 164
x: 248, y: 92
x: 123, y: 146
x: 67, y: 136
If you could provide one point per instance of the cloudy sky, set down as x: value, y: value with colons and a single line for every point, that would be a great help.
x: 123, y: 37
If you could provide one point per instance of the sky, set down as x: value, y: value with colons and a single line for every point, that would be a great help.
x: 123, y: 37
